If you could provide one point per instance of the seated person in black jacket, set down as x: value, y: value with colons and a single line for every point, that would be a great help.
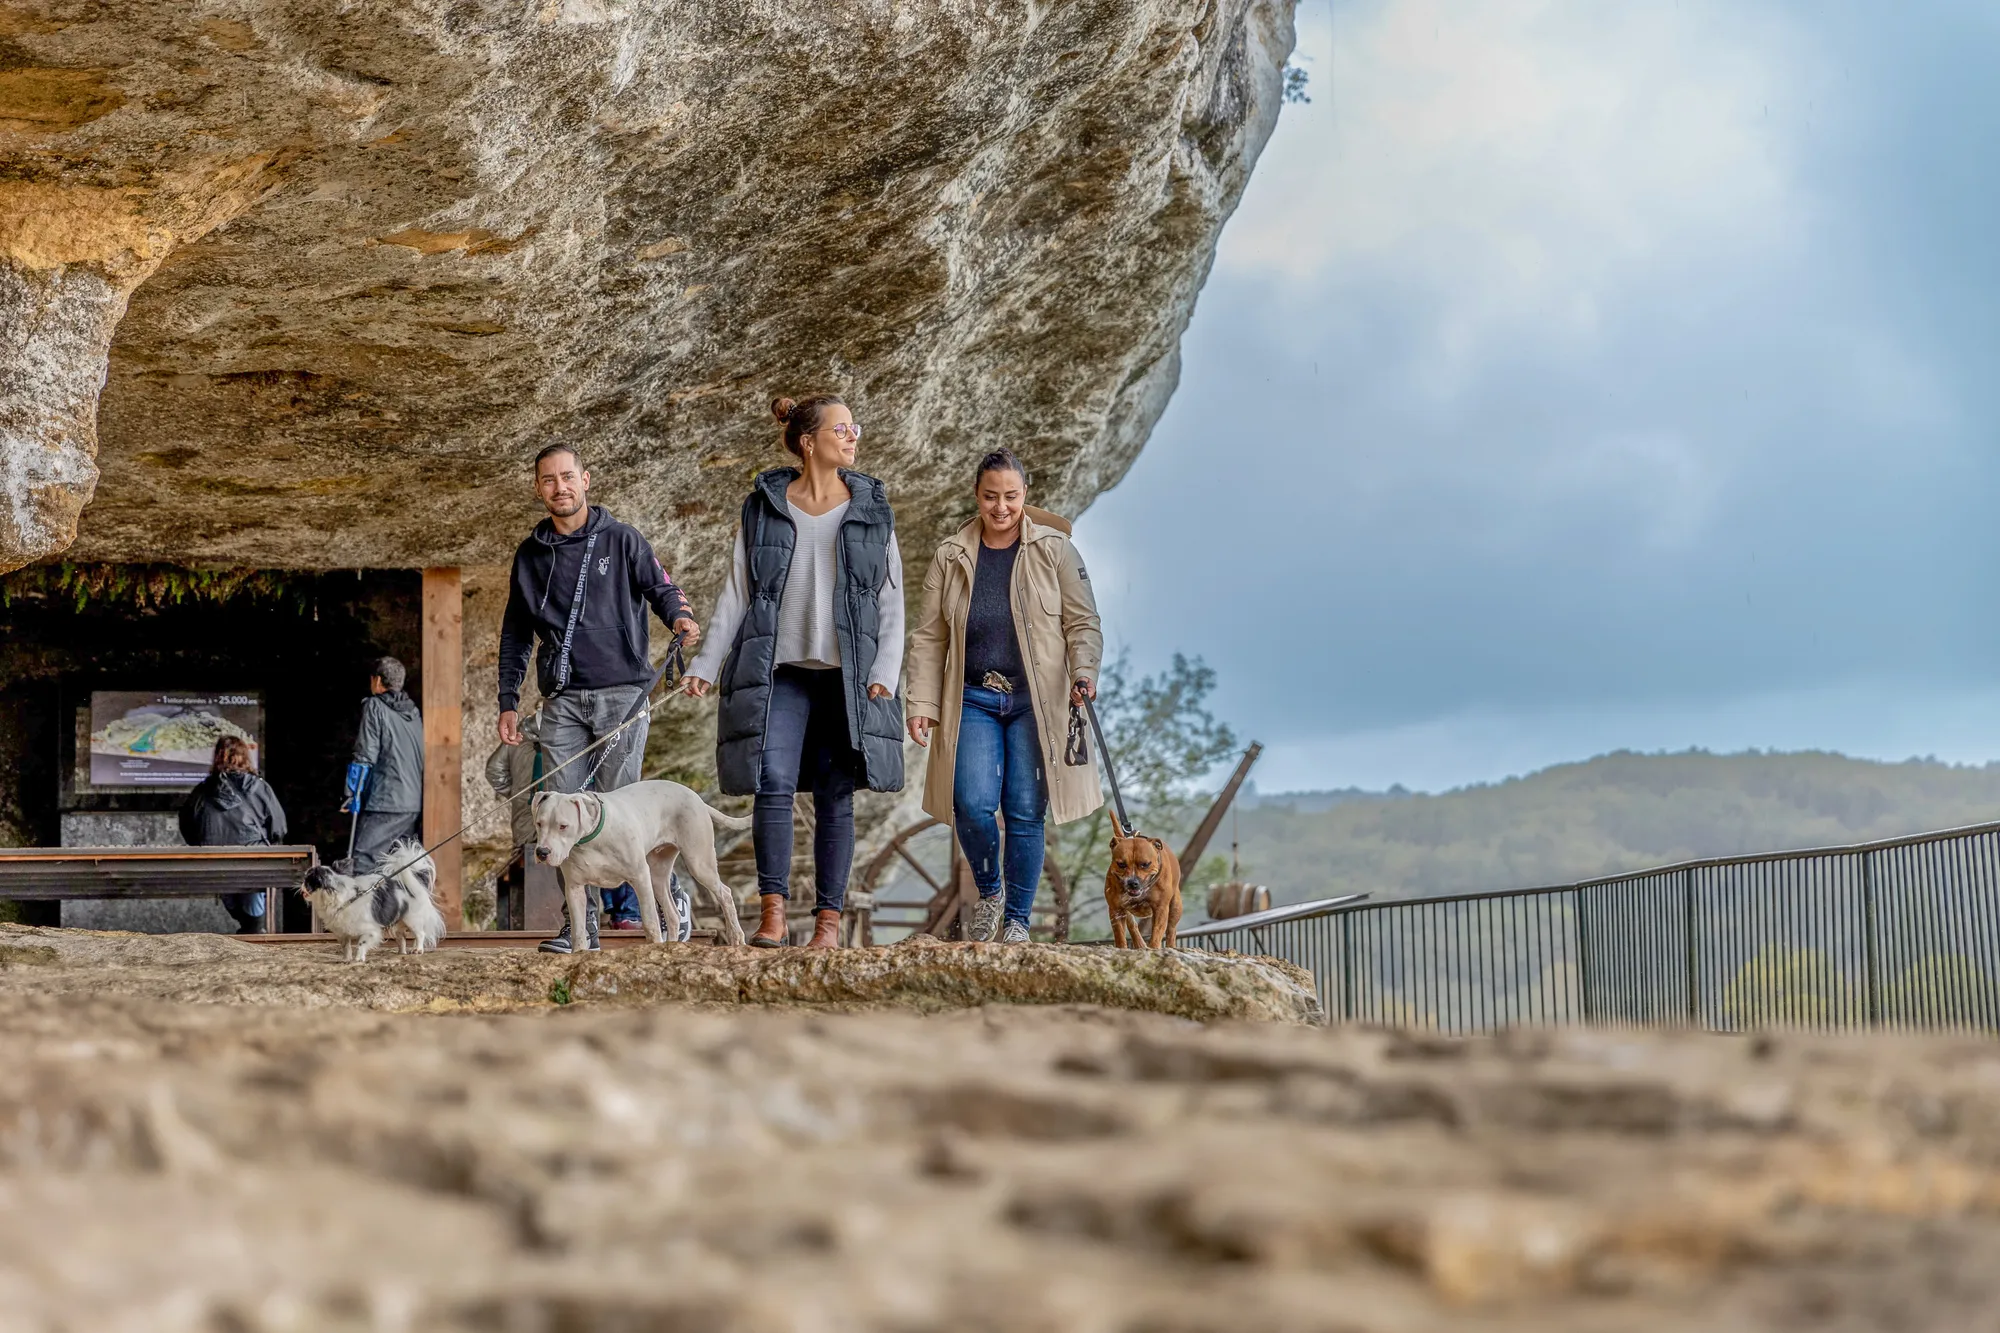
x: 233, y: 807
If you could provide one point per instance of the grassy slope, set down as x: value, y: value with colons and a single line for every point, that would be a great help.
x: 1616, y: 812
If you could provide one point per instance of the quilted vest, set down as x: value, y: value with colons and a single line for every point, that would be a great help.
x: 861, y: 560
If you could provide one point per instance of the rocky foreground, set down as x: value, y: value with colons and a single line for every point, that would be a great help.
x: 198, y: 1136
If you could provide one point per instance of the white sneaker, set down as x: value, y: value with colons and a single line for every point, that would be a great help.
x: 986, y: 917
x: 1015, y: 933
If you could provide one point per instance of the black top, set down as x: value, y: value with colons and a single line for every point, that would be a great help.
x: 608, y: 643
x: 232, y: 809
x: 990, y: 644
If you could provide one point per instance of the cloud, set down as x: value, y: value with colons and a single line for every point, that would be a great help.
x: 1525, y: 150
x: 1574, y: 361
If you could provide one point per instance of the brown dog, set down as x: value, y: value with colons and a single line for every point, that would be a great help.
x: 1144, y: 881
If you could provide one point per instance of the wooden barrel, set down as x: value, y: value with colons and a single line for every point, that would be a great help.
x: 1228, y: 900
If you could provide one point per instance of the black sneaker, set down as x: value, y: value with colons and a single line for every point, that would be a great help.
x: 561, y: 944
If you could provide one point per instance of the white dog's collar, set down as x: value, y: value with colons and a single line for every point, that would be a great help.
x: 594, y: 832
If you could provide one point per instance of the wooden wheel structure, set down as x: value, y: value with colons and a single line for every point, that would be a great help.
x: 931, y: 883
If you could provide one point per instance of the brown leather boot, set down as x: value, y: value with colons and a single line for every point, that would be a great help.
x: 826, y: 930
x: 771, y: 931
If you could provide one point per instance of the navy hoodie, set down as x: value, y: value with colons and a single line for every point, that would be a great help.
x: 609, y: 645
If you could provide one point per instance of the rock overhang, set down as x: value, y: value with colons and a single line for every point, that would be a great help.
x: 340, y: 268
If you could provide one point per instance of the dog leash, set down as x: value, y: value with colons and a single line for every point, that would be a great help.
x: 674, y: 659
x: 1125, y: 829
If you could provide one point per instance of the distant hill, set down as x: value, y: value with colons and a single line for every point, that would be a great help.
x: 1618, y: 812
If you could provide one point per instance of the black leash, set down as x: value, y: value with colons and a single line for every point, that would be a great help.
x: 1125, y: 829
x: 674, y: 661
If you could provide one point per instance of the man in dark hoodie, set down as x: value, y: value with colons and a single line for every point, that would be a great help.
x: 391, y: 744
x: 581, y: 587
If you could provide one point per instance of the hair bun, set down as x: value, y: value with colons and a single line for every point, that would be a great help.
x: 781, y: 408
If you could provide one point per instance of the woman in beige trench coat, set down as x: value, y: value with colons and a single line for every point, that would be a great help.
x: 1008, y: 636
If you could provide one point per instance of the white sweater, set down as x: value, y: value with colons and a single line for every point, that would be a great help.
x: 805, y: 608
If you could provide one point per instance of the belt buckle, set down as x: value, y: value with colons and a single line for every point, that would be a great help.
x: 998, y: 683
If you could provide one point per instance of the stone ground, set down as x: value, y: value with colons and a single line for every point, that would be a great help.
x: 198, y: 1136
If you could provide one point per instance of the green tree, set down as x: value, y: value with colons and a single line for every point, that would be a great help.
x: 1940, y: 990
x: 1786, y: 986
x: 1162, y: 738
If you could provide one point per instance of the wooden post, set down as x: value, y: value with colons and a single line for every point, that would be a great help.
x: 444, y: 733
x: 1210, y: 822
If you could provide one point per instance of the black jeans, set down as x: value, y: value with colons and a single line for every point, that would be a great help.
x: 806, y: 746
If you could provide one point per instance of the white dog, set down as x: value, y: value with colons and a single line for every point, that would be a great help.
x: 633, y: 836
x: 362, y: 909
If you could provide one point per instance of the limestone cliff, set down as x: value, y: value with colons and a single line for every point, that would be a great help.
x: 339, y: 266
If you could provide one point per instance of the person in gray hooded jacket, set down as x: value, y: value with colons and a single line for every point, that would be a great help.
x: 391, y: 743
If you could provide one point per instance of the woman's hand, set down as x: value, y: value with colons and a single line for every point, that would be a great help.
x: 694, y: 687
x: 878, y: 691
x: 920, y: 731
x: 1083, y: 689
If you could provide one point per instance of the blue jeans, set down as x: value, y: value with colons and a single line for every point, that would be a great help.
x: 1000, y: 768
x: 244, y: 908
x: 806, y: 745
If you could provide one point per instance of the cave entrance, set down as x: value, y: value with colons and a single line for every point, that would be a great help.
x: 283, y: 654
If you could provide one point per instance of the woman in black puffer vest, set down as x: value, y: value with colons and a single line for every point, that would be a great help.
x: 807, y: 646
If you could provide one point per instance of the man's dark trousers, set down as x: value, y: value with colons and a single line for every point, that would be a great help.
x: 375, y: 830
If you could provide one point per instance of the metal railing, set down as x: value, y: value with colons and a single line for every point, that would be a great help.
x: 1899, y: 933
x: 1307, y: 934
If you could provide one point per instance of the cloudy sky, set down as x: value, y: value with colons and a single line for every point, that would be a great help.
x: 1580, y: 376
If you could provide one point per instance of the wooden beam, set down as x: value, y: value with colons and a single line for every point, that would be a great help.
x: 444, y: 733
x: 952, y: 906
x: 903, y: 850
x: 1213, y: 819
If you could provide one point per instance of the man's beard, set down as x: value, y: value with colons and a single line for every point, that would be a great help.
x: 556, y: 508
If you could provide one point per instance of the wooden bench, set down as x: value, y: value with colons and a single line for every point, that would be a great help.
x: 43, y: 874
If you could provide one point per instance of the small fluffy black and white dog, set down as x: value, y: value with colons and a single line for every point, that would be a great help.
x: 363, y: 909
